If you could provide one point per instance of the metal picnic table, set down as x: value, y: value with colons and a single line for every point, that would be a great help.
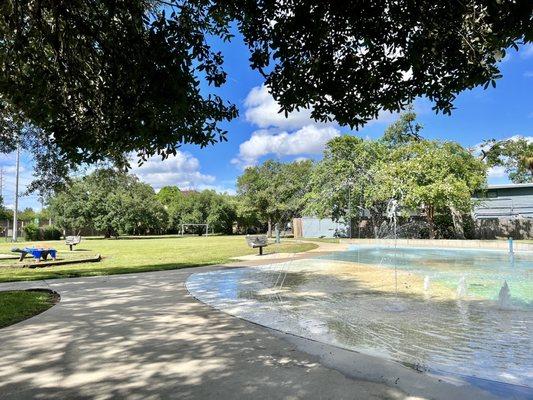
x: 38, y: 253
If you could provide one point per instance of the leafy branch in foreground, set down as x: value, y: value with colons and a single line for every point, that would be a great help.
x: 105, y: 78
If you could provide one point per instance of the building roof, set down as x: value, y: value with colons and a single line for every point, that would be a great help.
x: 511, y: 186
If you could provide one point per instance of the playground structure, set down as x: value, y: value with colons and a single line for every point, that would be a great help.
x: 182, y: 228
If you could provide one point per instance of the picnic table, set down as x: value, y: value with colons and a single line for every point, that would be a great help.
x: 38, y: 253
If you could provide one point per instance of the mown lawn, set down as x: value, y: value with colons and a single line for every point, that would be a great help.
x: 18, y: 305
x: 139, y: 255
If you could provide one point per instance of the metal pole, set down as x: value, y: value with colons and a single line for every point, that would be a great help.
x: 15, y: 212
x: 1, y: 182
x: 349, y: 210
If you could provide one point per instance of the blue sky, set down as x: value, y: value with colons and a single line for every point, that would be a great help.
x: 260, y: 132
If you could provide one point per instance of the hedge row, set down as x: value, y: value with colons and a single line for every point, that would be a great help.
x: 32, y: 232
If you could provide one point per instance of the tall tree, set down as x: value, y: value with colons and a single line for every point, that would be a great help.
x: 341, y: 180
x: 274, y: 190
x: 403, y: 131
x: 515, y: 155
x: 111, y: 202
x: 430, y: 176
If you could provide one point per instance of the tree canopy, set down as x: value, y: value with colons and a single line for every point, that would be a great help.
x: 101, y: 79
x: 274, y: 191
x: 349, y: 59
x: 403, y: 131
x: 430, y: 176
x: 515, y: 155
x: 357, y: 177
x: 340, y: 181
x: 192, y: 207
x: 111, y: 202
x: 96, y: 80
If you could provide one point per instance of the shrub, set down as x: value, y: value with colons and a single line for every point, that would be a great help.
x: 32, y: 232
x: 444, y: 228
x: 51, y: 232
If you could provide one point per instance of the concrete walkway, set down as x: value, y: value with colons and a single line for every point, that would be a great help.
x: 142, y: 336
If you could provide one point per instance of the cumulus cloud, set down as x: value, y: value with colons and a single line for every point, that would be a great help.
x: 182, y: 170
x: 496, y: 172
x: 309, y: 139
x: 476, y: 149
x: 263, y: 111
x: 296, y: 134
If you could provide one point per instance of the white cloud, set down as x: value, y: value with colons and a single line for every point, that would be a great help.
x: 296, y: 134
x: 496, y: 172
x: 308, y: 140
x: 263, y: 111
x: 528, y: 74
x: 182, y: 170
x: 384, y: 117
x: 476, y: 149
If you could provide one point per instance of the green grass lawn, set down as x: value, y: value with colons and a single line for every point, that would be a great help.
x: 18, y: 305
x: 139, y: 255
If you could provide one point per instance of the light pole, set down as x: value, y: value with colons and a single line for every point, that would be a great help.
x: 349, y: 183
x: 15, y: 212
x: 349, y: 210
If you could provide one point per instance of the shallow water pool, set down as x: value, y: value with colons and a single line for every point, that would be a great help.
x: 433, y: 309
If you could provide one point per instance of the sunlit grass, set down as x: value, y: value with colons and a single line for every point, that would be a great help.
x: 19, y: 305
x: 140, y: 255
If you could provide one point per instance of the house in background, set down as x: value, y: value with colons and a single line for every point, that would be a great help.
x: 505, y: 211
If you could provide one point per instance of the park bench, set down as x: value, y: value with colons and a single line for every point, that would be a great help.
x: 72, y: 241
x: 37, y: 253
x: 257, y: 241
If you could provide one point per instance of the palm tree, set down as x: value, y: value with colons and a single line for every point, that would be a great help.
x: 527, y: 162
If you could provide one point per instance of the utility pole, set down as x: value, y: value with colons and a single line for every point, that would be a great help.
x: 15, y: 212
x: 1, y: 182
x: 350, y: 210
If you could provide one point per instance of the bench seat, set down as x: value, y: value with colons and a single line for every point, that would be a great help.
x: 257, y: 241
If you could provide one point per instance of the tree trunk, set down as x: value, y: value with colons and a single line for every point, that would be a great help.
x: 375, y: 220
x: 430, y: 215
x: 269, y: 231
x: 457, y: 219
